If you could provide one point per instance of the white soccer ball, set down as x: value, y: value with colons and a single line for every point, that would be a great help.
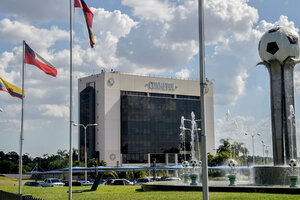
x: 185, y: 163
x: 200, y: 163
x: 232, y: 163
x: 279, y: 43
x: 293, y: 163
x: 194, y: 163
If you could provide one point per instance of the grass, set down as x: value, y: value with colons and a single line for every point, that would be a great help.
x: 132, y: 193
x: 5, y: 181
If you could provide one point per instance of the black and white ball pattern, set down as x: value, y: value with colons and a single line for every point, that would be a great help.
x: 279, y: 43
x: 293, y: 163
x: 199, y: 163
x: 185, y: 163
x: 194, y: 163
x: 232, y: 163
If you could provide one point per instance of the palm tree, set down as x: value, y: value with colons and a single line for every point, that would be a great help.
x: 237, y: 148
x: 224, y: 147
x: 62, y: 153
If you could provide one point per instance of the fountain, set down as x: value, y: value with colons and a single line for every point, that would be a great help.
x: 189, y: 181
x: 293, y: 177
x: 194, y: 139
x: 279, y: 50
x: 232, y: 176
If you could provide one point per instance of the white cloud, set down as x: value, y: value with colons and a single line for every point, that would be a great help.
x: 58, y: 111
x: 151, y: 9
x: 16, y: 32
x: 183, y: 74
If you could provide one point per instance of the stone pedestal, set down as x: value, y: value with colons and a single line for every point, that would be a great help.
x: 282, y: 97
x: 193, y: 178
x: 232, y: 178
x: 185, y: 178
x: 293, y: 181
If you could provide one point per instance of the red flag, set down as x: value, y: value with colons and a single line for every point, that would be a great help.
x: 88, y: 18
x: 33, y: 58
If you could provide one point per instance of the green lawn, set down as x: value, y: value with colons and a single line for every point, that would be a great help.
x: 134, y: 193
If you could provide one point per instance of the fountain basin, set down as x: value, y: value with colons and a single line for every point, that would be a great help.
x: 273, y: 175
x: 159, y: 186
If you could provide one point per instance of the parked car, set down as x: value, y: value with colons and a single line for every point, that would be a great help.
x: 118, y: 182
x: 139, y: 181
x: 52, y: 182
x: 86, y: 183
x: 33, y: 184
x: 74, y: 183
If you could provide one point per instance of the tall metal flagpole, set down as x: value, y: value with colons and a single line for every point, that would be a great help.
x: 202, y: 98
x: 22, y: 120
x: 71, y: 121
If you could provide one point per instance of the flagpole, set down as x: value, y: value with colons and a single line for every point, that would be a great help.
x: 22, y: 120
x: 71, y: 121
x: 202, y: 99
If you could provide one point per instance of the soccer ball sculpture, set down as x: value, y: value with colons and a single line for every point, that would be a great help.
x: 232, y: 163
x: 193, y: 163
x: 279, y: 43
x: 200, y: 163
x: 293, y: 163
x: 185, y: 163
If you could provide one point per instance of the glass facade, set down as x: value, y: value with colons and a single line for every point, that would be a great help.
x: 87, y: 116
x: 151, y: 125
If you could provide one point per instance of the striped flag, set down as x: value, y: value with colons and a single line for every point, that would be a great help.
x: 33, y: 58
x: 88, y: 15
x: 10, y: 88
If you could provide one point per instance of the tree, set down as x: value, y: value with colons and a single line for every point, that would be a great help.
x: 7, y: 166
x: 2, y: 155
x: 237, y: 148
x: 62, y: 153
x: 75, y: 154
x: 226, y: 151
x: 13, y: 156
x: 225, y: 146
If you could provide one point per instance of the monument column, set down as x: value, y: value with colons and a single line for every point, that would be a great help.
x: 277, y: 109
x: 290, y: 126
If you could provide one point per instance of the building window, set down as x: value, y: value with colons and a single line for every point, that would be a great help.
x: 151, y: 125
x: 161, y: 95
x: 186, y: 97
x: 133, y: 93
x: 87, y: 116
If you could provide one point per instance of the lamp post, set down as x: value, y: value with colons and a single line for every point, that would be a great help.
x: 85, y: 152
x: 253, y: 135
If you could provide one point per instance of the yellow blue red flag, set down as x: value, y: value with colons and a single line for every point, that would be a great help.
x: 10, y: 88
x: 88, y: 15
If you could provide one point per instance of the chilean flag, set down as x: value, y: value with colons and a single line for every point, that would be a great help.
x: 33, y: 58
x: 88, y: 15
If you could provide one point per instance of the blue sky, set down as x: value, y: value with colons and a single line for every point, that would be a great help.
x: 126, y: 33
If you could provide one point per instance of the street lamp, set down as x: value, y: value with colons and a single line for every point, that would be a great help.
x: 1, y: 110
x: 253, y: 135
x: 85, y: 153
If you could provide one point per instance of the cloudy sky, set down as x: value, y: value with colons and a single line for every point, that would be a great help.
x: 153, y: 37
